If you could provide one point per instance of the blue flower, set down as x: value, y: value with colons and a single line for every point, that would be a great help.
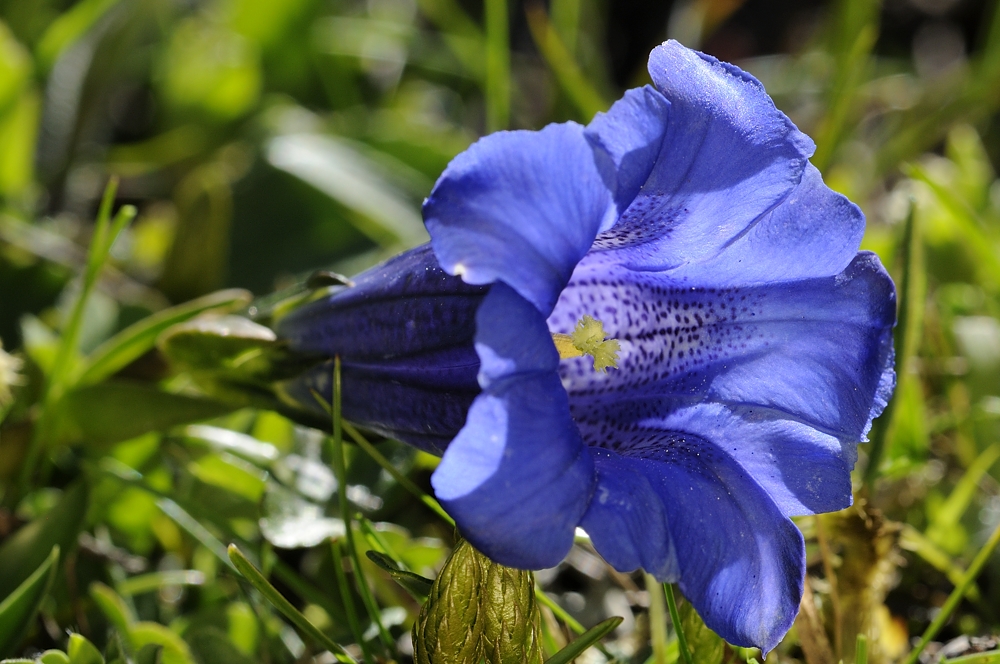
x: 755, y: 342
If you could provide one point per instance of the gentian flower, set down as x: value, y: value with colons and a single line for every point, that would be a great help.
x: 754, y: 342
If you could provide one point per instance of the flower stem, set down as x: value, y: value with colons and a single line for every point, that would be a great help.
x: 675, y: 618
x: 956, y: 596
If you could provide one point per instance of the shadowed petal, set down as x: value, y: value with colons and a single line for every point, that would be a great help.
x: 420, y: 399
x: 741, y: 562
x: 728, y: 156
x: 522, y: 207
x: 627, y: 141
x: 406, y: 305
x: 517, y: 478
x: 627, y: 521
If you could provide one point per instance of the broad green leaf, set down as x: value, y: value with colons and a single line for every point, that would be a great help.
x: 419, y: 587
x: 230, y: 347
x: 112, y: 606
x: 106, y: 413
x: 175, y: 650
x: 291, y: 522
x: 18, y: 610
x: 356, y: 182
x: 584, y: 641
x: 449, y: 628
x: 82, y: 651
x: 706, y: 646
x: 234, y: 442
x: 232, y: 474
x: 24, y: 551
x: 131, y: 343
x: 511, y: 629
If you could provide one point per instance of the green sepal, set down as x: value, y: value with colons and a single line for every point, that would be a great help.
x: 511, y: 628
x: 449, y: 628
x: 82, y: 651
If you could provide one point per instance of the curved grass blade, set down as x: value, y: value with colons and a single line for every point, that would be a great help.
x: 257, y: 580
x: 584, y: 641
x: 24, y: 551
x: 131, y: 343
x: 956, y: 596
x: 18, y: 610
x: 419, y: 587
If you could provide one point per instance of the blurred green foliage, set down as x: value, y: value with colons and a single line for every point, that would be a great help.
x: 254, y: 141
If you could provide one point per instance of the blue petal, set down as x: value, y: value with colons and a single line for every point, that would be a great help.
x: 419, y: 399
x: 404, y: 332
x: 406, y: 305
x: 512, y: 337
x: 517, y: 478
x: 727, y: 157
x: 626, y: 520
x: 521, y: 207
x: 818, y: 351
x: 813, y: 232
x: 627, y: 141
x: 741, y: 562
x: 804, y: 471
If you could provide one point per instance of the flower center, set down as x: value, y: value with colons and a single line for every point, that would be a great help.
x: 588, y: 338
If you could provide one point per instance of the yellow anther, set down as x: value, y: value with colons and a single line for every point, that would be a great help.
x: 588, y: 338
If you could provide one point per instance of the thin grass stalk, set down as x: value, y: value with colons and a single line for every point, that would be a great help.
x: 340, y: 470
x: 345, y: 596
x: 271, y: 594
x: 675, y: 618
x: 106, y: 232
x: 497, y: 65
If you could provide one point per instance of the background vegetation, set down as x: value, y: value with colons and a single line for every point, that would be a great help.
x: 254, y: 141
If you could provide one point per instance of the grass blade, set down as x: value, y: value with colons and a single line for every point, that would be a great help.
x: 131, y: 343
x: 400, y: 478
x: 560, y: 59
x: 861, y: 650
x: 956, y: 596
x: 675, y: 618
x: 584, y: 641
x: 257, y: 580
x: 912, y: 293
x: 497, y: 65
x: 18, y: 609
x: 340, y: 471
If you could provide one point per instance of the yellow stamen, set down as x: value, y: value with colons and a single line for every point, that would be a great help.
x: 588, y: 338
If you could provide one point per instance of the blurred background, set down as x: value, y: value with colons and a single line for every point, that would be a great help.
x: 260, y: 140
